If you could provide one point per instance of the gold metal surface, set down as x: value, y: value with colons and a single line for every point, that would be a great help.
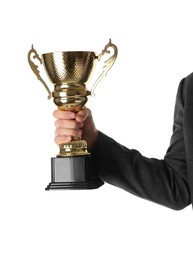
x: 76, y: 147
x: 33, y: 54
x: 70, y: 72
x: 108, y: 63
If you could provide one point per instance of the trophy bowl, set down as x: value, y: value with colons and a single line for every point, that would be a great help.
x: 69, y: 71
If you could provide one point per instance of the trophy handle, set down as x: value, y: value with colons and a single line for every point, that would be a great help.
x: 35, y: 68
x: 108, y: 63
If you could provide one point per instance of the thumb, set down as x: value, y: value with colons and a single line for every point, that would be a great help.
x: 82, y: 115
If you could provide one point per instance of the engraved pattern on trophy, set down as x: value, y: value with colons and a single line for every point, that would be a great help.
x: 71, y: 67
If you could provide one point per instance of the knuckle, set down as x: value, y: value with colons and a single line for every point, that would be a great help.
x: 59, y: 140
x: 55, y: 113
x: 56, y: 123
x: 60, y: 123
x: 58, y: 131
x: 56, y: 139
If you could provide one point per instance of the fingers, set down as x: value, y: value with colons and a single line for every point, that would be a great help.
x: 67, y: 126
x: 66, y: 123
x: 82, y: 115
x: 62, y: 139
x: 67, y: 132
x: 58, y: 114
x: 63, y: 136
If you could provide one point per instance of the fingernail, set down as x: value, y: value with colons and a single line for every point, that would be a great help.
x: 80, y: 118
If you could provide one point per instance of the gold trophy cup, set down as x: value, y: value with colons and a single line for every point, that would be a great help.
x: 70, y: 71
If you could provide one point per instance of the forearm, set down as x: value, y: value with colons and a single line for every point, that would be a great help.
x: 151, y: 179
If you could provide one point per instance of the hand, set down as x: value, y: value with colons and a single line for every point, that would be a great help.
x: 69, y: 124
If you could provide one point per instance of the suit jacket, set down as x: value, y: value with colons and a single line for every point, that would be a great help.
x: 168, y: 182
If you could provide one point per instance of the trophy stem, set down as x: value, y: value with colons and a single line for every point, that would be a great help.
x: 73, y: 148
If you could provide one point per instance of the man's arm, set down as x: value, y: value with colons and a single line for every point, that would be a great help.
x: 151, y: 179
x: 160, y: 181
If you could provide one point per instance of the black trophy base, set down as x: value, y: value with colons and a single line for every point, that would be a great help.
x: 76, y: 173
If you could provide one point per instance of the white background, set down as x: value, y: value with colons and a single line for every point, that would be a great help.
x: 134, y: 104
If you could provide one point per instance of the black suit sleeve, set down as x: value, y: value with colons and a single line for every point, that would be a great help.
x: 160, y: 181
